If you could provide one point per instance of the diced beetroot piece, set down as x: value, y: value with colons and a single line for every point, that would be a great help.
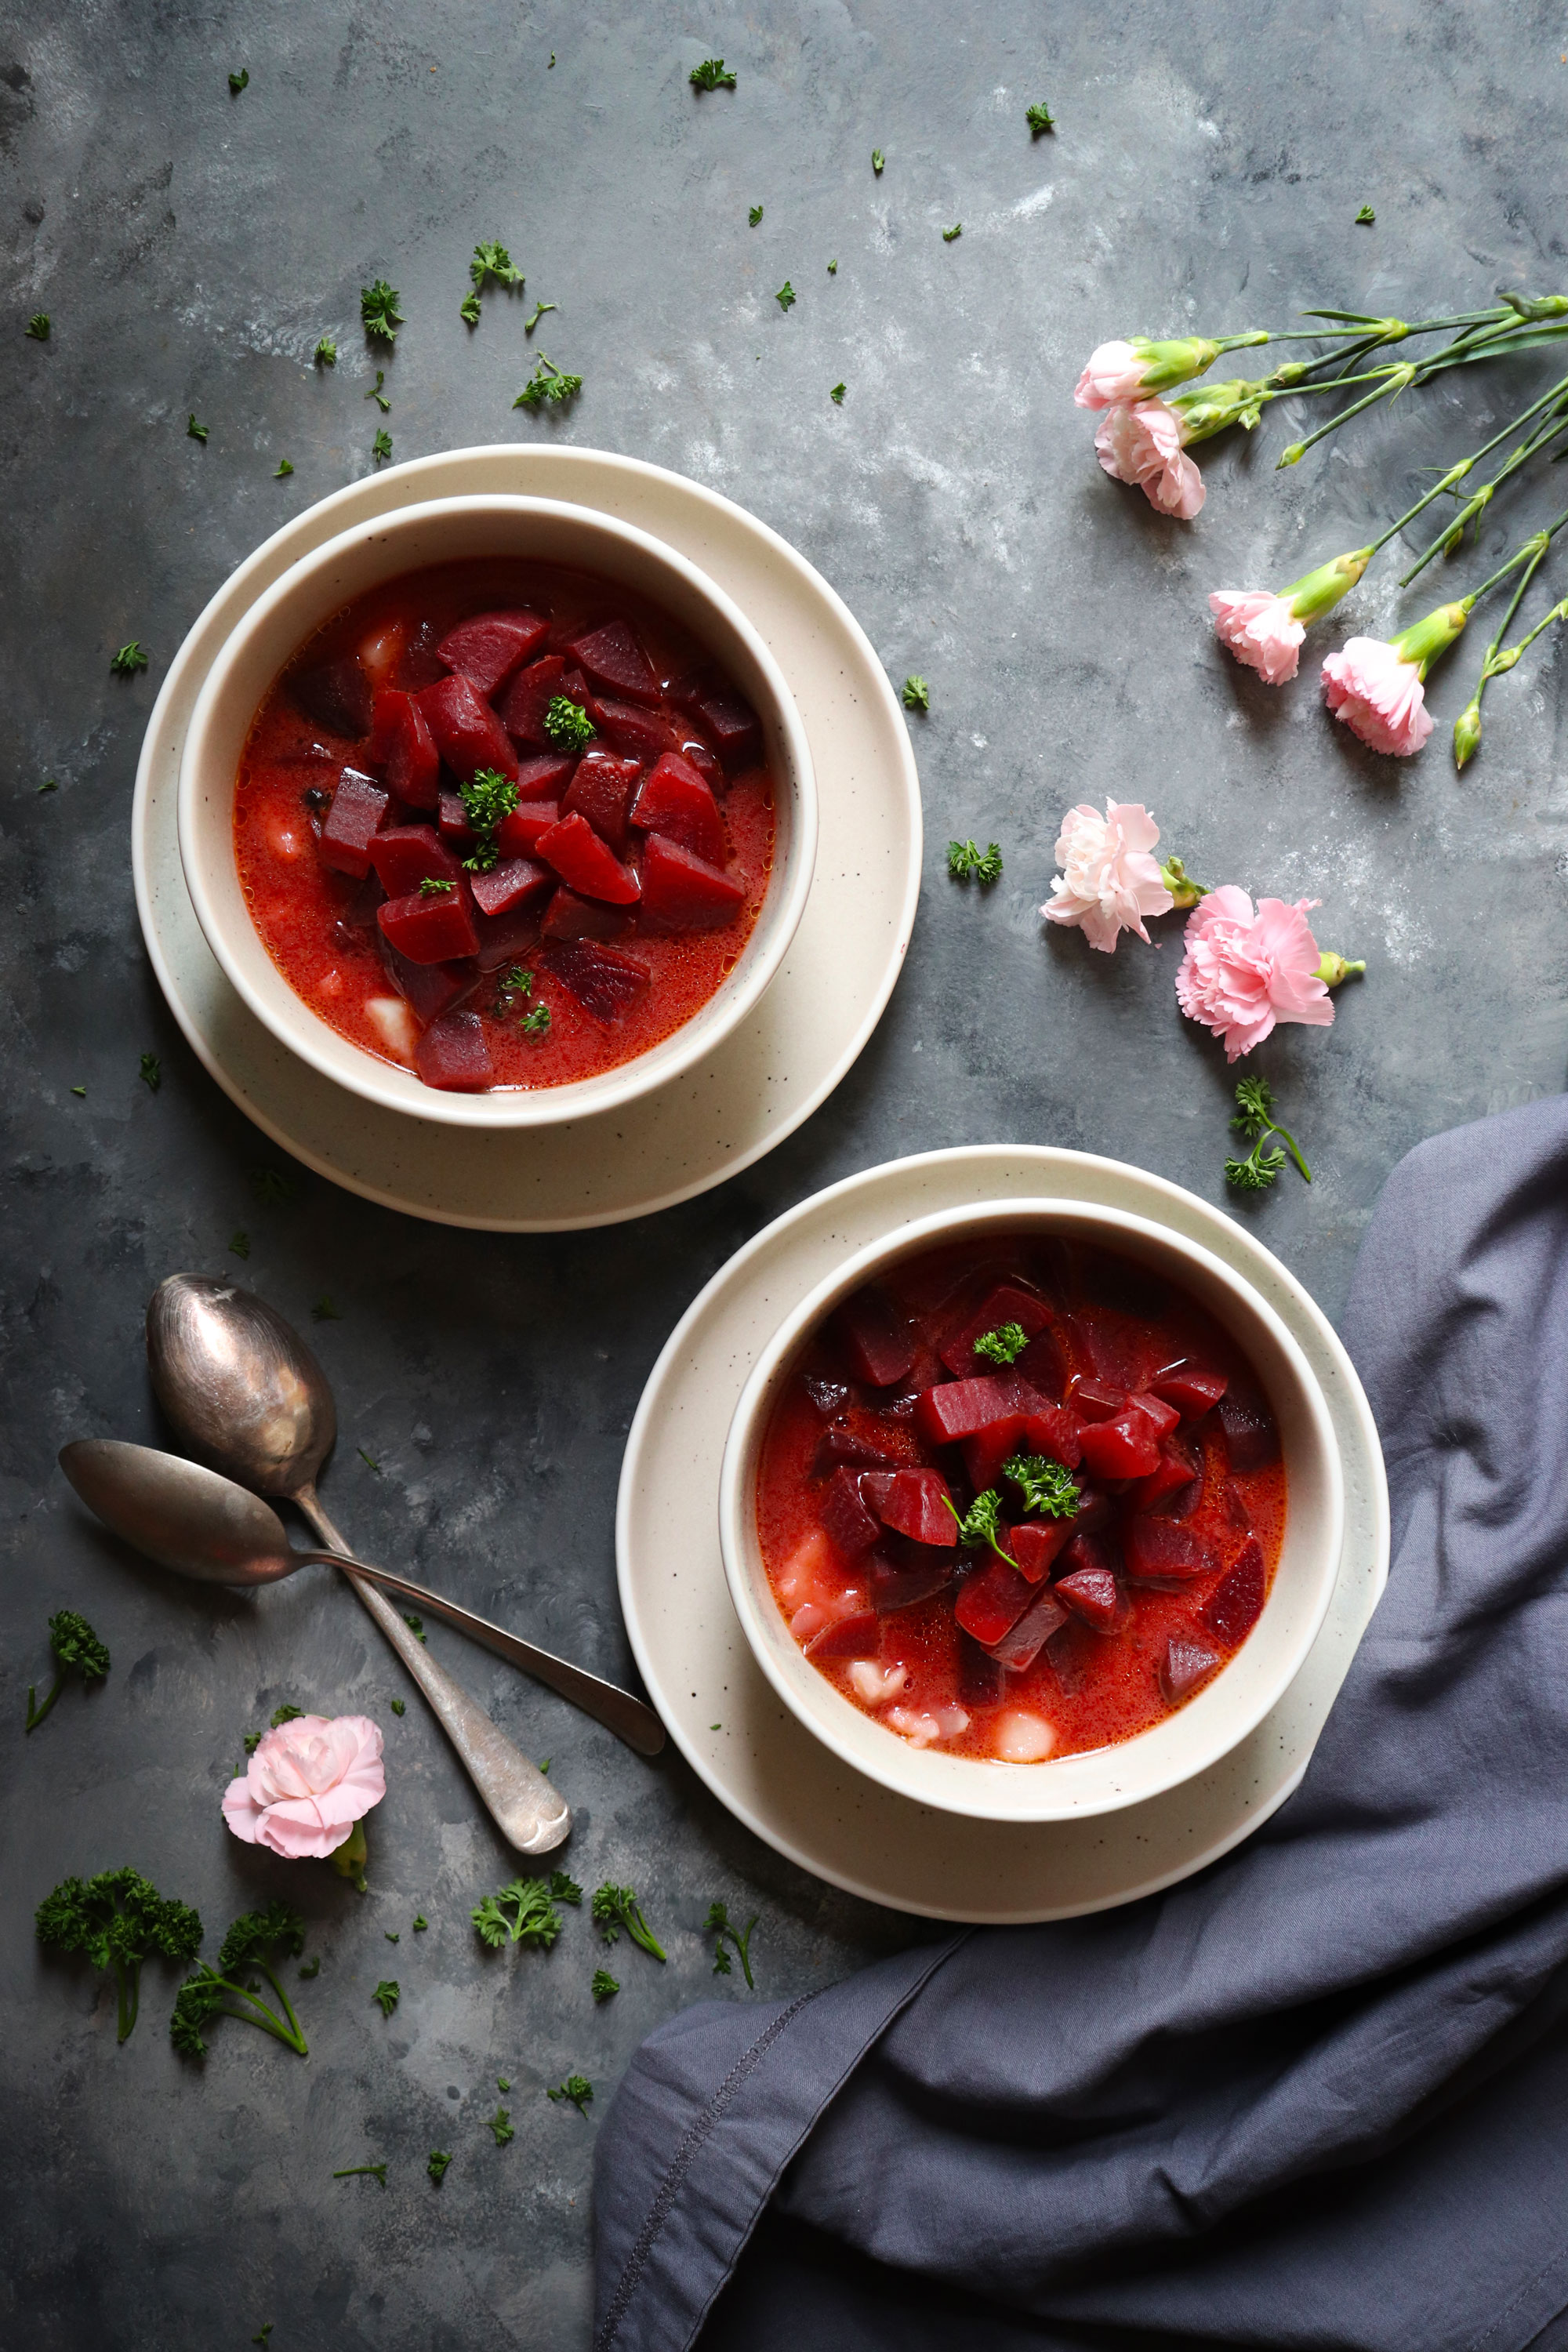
x: 453, y: 1054
x: 453, y: 819
x: 511, y: 883
x: 899, y: 1583
x: 467, y: 732
x: 1086, y: 1552
x: 402, y: 750
x: 428, y: 989
x: 1094, y: 1399
x: 675, y: 802
x: 612, y: 657
x: 1043, y: 1617
x: 358, y: 910
x: 1093, y: 1511
x: 359, y: 806
x: 1186, y: 1663
x: 1190, y: 1388
x: 876, y: 1338
x: 730, y: 724
x: 683, y: 893
x: 430, y: 930
x: 1122, y: 1448
x: 993, y: 1600
x: 1038, y: 1544
x: 856, y: 1635
x: 707, y: 762
x: 914, y: 1503
x: 567, y: 917
x: 602, y: 791
x: 1091, y: 1594
x: 604, y: 979
x: 586, y: 863
x: 416, y: 665
x: 837, y: 1447
x: 960, y: 1409
x: 488, y: 649
x: 544, y: 775
x: 1005, y: 1304
x: 1235, y: 1605
x: 1175, y: 1473
x: 406, y: 855
x: 636, y: 734
x: 336, y: 695
x: 519, y: 834
x: 1158, y: 1548
x: 828, y: 1396
x: 1162, y: 1418
x: 1110, y: 1350
x: 979, y: 1677
x: 528, y: 697
x: 1042, y: 1364
x: 985, y: 1452
x: 504, y: 937
x: 1251, y: 1436
x: 1055, y: 1432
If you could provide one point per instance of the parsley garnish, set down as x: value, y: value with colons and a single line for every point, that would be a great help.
x: 615, y: 1908
x: 1045, y: 1485
x: 916, y: 694
x: 567, y: 724
x: 238, y: 81
x: 376, y: 393
x: 117, y: 1918
x: 785, y: 297
x: 517, y: 982
x: 440, y: 2159
x: 522, y: 1913
x: 539, y: 310
x: 711, y: 74
x: 966, y: 864
x: 1008, y: 1340
x: 381, y: 447
x: 431, y: 889
x: 270, y: 1186
x: 548, y: 386
x: 283, y: 468
x: 492, y: 260
x: 128, y: 659
x: 1365, y: 218
x: 502, y: 2084
x: 833, y: 269
x: 416, y: 1626
x: 468, y: 308
x: 286, y: 1714
x: 326, y: 350
x: 718, y: 1924
x: 981, y: 1522
x: 387, y: 1995
x: 353, y: 2172
x: 488, y: 796
x: 79, y: 1090
x: 78, y: 1649
x: 537, y: 1023
x: 603, y: 1984
x: 838, y: 394
x: 50, y: 785
x: 1040, y: 118
x: 420, y: 1923
x: 878, y: 160
x: 949, y: 233
x: 278, y: 1932
x: 378, y: 308
x: 312, y: 1967
x: 563, y: 1889
x: 576, y: 2090
x: 239, y: 1243
x: 390, y: 1937
x: 151, y: 1072
x: 369, y: 1460
x: 194, y: 432
x: 1254, y: 1120
x: 754, y: 216
x: 397, y: 1706
x: 500, y: 2125
x: 37, y: 327
x: 323, y: 1311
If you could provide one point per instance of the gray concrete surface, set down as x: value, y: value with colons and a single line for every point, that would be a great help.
x: 191, y: 247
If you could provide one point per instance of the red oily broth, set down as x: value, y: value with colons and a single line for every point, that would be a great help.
x: 1104, y: 1326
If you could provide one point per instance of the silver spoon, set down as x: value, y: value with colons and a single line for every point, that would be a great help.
x: 246, y: 1394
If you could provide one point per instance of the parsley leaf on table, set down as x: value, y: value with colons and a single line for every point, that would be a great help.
x: 128, y: 659
x: 278, y: 1932
x: 492, y: 260
x: 78, y: 1649
x: 381, y: 447
x: 37, y: 327
x: 878, y: 160
x: 965, y: 863
x: 500, y: 2125
x: 837, y: 392
x: 435, y: 2166
x: 785, y: 297
x: 283, y: 468
x: 615, y: 1908
x: 539, y: 310
x: 711, y: 74
x: 949, y: 233
x: 1365, y: 218
x: 718, y: 1924
x: 386, y: 1995
x: 151, y: 1072
x: 239, y: 1243
x: 379, y: 312
x: 376, y: 393
x: 326, y: 350
x: 194, y: 432
x: 1040, y: 118
x: 603, y: 1984
x: 915, y: 694
x: 238, y: 81
x: 1254, y: 1121
x: 576, y: 2090
x: 521, y: 1913
x: 754, y: 216
x: 548, y: 386
x: 117, y: 1919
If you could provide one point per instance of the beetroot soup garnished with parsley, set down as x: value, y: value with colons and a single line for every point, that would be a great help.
x: 1020, y: 1498
x: 503, y: 824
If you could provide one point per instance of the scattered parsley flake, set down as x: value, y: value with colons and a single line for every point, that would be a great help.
x: 785, y: 297
x: 435, y: 2166
x: 949, y: 233
x: 381, y: 447
x: 353, y: 2172
x: 194, y: 432
x: 79, y: 1090
x: 416, y: 1626
x: 238, y: 81
x: 615, y: 1908
x: 76, y: 1649
x: 262, y: 2334
x: 548, y: 386
x: 312, y: 1967
x: 563, y: 1889
x: 754, y: 216
x: 323, y: 1311
x: 326, y: 350
x: 37, y: 327
x: 240, y: 1243
x: 378, y: 309
x: 502, y: 2084
x: 711, y: 74
x: 833, y: 269
x: 915, y: 694
x: 1002, y: 1345
x: 837, y: 392
x: 397, y: 1706
x: 50, y: 785
x: 1365, y: 218
x: 521, y: 1913
x: 1045, y: 1485
x: 376, y: 393
x: 270, y: 1186
x: 386, y: 1995
x: 718, y: 1924
x: 500, y: 2125
x: 369, y: 1460
x: 283, y: 468
x: 286, y: 1714
x: 537, y: 1023
x: 965, y: 863
x: 603, y: 1984
x: 128, y: 659
x: 487, y: 797
x: 151, y: 1072
x: 492, y: 260
x: 567, y: 724
x: 420, y: 1923
x: 468, y: 308
x: 576, y: 2090
x: 431, y: 888
x: 878, y: 160
x: 391, y: 1936
x: 1039, y: 118
x: 539, y: 310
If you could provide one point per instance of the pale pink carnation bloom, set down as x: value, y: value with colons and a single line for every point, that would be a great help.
x: 1379, y: 694
x: 307, y: 1785
x: 1142, y: 444
x: 1109, y: 880
x: 1114, y: 372
x: 1244, y: 972
x: 1259, y: 629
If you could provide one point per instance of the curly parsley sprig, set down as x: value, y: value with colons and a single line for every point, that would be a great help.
x: 615, y: 1908
x: 1045, y: 1485
x: 78, y: 1649
x: 1254, y: 1120
x: 965, y: 863
x: 981, y: 1523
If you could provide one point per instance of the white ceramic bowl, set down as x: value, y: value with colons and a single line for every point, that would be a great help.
x: 444, y: 530
x: 1227, y: 1709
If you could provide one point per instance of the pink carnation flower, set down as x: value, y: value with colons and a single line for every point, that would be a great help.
x: 1109, y: 880
x: 1244, y: 971
x: 1379, y: 694
x: 1260, y: 629
x: 307, y: 1785
x: 1114, y: 372
x: 1141, y: 442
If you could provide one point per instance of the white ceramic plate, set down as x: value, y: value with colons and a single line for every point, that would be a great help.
x: 764, y: 1081
x: 737, y: 1733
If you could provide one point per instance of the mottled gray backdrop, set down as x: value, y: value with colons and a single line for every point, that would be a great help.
x: 190, y: 249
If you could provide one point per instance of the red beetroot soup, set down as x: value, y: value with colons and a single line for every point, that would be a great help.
x: 504, y: 823
x: 1079, y: 1410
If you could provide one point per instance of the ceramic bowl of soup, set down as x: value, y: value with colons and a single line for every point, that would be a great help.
x: 497, y: 811
x: 1031, y: 1511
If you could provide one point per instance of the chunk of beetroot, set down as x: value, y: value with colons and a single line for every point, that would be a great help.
x: 406, y: 855
x: 683, y: 893
x: 416, y: 665
x: 854, y: 1635
x: 430, y: 930
x: 336, y: 695
x: 519, y: 834
x: 981, y: 1678
x: 528, y: 697
x: 402, y: 750
x: 1006, y: 1303
x: 674, y: 800
x: 1043, y: 1617
x: 453, y: 1054
x: 1186, y: 1664
x: 1176, y: 1471
x: 586, y: 864
x: 1190, y: 1387
x: 604, y: 979
x: 1055, y: 1432
x: 1158, y: 1548
x: 544, y: 775
x: 707, y: 762
x: 568, y: 917
x: 1088, y: 1551
x: 491, y: 648
x: 1042, y: 1364
x: 1122, y: 1448
x: 959, y: 1408
x: 1095, y: 1400
x: 828, y: 1396
x: 915, y: 1503
x: 1092, y: 1594
x: 642, y: 735
x: 428, y: 989
x: 1093, y: 1511
x: 1235, y: 1605
x: 1110, y: 1350
x: 612, y: 657
x: 993, y: 1600
x: 877, y: 1345
x: 1038, y: 1544
x: 729, y: 723
x: 467, y: 732
x: 1162, y: 1418
x: 989, y: 1448
x: 511, y: 883
x: 453, y: 819
x: 836, y: 1446
x: 900, y: 1582
x: 359, y: 807
x: 504, y: 937
x: 1251, y: 1434
x: 601, y: 792
x: 846, y: 1515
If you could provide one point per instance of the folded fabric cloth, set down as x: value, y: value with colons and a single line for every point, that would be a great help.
x: 1316, y: 2096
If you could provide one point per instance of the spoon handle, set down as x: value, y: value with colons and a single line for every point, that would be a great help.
x: 531, y: 1813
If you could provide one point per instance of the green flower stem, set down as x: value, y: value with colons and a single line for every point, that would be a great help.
x: 1448, y: 539
x: 35, y: 1715
x: 1496, y: 660
x: 1529, y: 550
x: 264, y: 2016
x: 1506, y: 659
x: 1463, y: 352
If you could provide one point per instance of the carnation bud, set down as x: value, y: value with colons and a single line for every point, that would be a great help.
x: 1184, y: 892
x: 1333, y: 968
x: 1172, y: 363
